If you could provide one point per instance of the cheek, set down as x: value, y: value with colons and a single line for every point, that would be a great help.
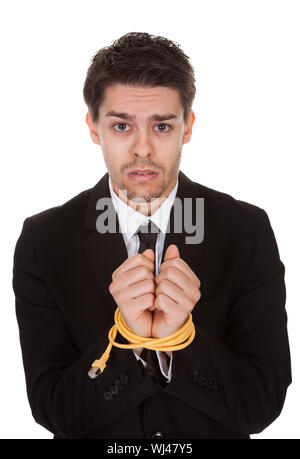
x: 118, y: 143
x: 111, y: 158
x: 114, y: 147
x: 166, y: 146
x: 171, y: 142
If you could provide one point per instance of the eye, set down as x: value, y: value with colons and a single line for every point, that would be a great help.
x: 163, y: 125
x: 122, y: 125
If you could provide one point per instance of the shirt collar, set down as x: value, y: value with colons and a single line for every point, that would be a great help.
x: 130, y: 220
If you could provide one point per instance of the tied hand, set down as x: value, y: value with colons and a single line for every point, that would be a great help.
x: 155, y: 306
x: 176, y: 294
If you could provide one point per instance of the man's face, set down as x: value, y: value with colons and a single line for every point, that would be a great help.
x: 141, y: 128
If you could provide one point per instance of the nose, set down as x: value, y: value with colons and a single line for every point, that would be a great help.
x: 143, y: 146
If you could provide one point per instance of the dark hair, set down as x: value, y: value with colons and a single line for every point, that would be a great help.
x: 139, y: 59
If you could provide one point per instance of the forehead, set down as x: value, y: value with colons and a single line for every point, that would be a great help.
x: 135, y: 99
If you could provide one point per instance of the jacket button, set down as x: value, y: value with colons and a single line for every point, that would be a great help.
x: 157, y: 435
x: 124, y: 378
x: 202, y: 381
x: 193, y: 374
x: 118, y: 384
x: 108, y: 395
x: 113, y: 390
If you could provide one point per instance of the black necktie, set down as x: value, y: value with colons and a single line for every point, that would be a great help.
x: 148, y: 235
x: 153, y: 369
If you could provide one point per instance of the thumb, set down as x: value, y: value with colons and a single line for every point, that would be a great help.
x: 172, y: 252
x: 149, y: 254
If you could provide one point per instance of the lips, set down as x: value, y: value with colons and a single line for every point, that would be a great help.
x: 143, y: 171
x: 143, y: 175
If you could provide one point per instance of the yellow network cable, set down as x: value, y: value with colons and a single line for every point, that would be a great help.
x: 178, y: 340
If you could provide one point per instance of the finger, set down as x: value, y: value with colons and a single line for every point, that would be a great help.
x: 149, y: 253
x: 190, y: 288
x: 172, y: 252
x: 138, y: 289
x: 175, y: 293
x: 180, y: 264
x: 130, y: 277
x: 176, y: 276
x: 132, y: 262
x: 144, y: 302
x: 169, y: 308
x: 165, y: 303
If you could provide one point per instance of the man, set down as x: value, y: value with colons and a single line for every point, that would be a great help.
x: 70, y: 276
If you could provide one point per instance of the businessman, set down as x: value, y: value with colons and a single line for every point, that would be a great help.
x: 72, y: 270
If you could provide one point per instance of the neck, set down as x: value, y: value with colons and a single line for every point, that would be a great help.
x: 146, y: 208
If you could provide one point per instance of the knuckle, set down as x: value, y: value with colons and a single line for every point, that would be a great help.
x: 172, y: 271
x: 139, y: 258
x: 159, y: 299
x: 144, y: 271
x: 190, y: 305
x: 115, y: 285
x: 166, y: 276
x: 177, y: 262
x: 164, y: 282
x: 150, y: 284
x: 196, y: 297
x: 148, y: 299
x: 172, y: 263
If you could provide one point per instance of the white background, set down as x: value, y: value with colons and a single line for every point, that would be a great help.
x: 245, y: 140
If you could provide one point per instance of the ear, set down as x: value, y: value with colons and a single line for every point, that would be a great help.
x: 92, y: 127
x: 189, y: 127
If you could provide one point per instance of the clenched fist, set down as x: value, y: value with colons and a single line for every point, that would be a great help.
x: 171, y: 295
x: 176, y: 294
x: 133, y: 289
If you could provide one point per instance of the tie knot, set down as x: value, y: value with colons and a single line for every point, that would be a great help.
x: 148, y: 233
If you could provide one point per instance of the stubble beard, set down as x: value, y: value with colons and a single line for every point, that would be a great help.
x: 144, y: 195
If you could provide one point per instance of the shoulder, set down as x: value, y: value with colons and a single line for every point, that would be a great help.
x: 63, y: 216
x: 229, y: 217
x: 221, y: 206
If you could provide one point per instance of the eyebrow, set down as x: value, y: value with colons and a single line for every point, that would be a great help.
x: 155, y: 117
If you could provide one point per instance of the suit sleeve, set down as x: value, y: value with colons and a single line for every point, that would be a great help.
x: 62, y: 397
x: 242, y: 380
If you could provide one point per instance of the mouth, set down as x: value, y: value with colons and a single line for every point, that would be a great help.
x: 140, y: 175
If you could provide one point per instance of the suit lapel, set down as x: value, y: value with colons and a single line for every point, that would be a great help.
x: 107, y: 251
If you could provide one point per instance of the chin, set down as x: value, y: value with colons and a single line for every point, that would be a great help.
x: 144, y: 195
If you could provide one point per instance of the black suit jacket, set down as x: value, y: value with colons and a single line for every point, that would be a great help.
x: 230, y: 382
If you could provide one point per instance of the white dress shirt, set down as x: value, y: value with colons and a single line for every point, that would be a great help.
x: 129, y: 221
